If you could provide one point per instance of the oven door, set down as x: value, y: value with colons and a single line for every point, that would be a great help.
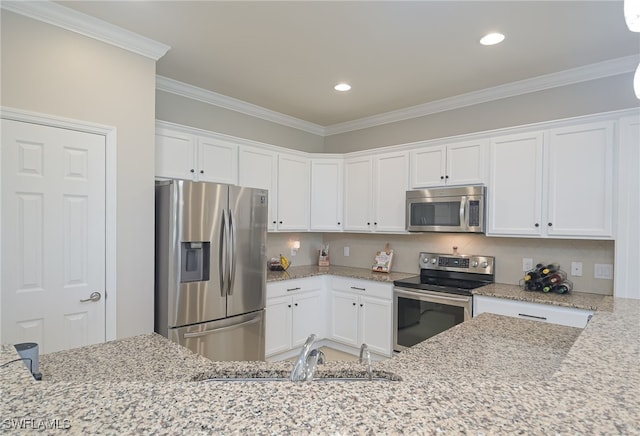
x: 419, y: 315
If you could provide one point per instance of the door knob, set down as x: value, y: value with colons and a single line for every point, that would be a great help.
x: 95, y: 296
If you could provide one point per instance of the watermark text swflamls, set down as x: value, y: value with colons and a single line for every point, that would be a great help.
x: 35, y: 424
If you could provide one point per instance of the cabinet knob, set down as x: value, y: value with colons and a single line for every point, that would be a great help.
x: 361, y: 305
x: 354, y: 304
x: 192, y: 170
x: 441, y: 177
x: 289, y: 305
x: 375, y: 224
x: 549, y: 224
x: 338, y: 222
x: 274, y: 222
x: 296, y: 304
x: 368, y: 224
x: 280, y: 222
x: 446, y: 177
x: 537, y: 225
x: 201, y: 171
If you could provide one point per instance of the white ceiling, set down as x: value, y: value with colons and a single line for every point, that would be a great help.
x: 286, y: 56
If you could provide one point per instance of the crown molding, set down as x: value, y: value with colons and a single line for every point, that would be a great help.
x: 193, y: 92
x: 572, y: 76
x: 74, y: 21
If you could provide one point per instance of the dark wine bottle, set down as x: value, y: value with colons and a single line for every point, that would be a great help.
x: 551, y: 268
x: 563, y: 287
x: 557, y: 277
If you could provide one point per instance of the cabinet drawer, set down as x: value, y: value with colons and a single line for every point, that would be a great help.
x: 363, y: 287
x: 293, y: 286
x: 533, y: 311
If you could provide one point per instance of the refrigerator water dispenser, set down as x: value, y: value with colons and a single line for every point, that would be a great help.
x: 195, y: 262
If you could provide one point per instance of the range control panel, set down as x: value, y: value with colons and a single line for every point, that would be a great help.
x: 458, y: 262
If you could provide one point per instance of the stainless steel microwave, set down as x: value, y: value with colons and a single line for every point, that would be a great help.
x: 458, y: 209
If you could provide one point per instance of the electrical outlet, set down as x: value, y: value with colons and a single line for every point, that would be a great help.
x: 576, y: 269
x: 603, y: 271
x: 527, y: 264
x: 346, y: 251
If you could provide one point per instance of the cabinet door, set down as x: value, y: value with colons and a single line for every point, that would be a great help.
x: 217, y: 161
x: 293, y: 192
x: 175, y: 154
x: 344, y: 318
x: 580, y: 181
x: 465, y: 163
x: 258, y: 169
x: 326, y: 194
x: 427, y: 167
x: 357, y: 194
x: 390, y: 186
x: 278, y: 325
x: 376, y: 324
x: 515, y: 188
x: 307, y: 317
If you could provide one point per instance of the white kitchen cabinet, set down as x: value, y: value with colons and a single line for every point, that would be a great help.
x: 375, y: 192
x: 568, y: 316
x: 451, y: 164
x: 362, y: 312
x: 181, y: 154
x: 293, y: 192
x: 326, y: 194
x: 557, y: 183
x: 515, y: 186
x: 580, y: 181
x: 295, y: 309
x: 258, y: 168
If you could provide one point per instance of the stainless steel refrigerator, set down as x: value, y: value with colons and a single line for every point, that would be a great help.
x: 210, y: 268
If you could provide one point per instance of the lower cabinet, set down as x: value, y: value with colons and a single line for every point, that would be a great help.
x: 567, y: 316
x: 361, y: 312
x: 292, y: 317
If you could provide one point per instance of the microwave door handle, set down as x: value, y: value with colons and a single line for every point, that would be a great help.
x: 463, y: 206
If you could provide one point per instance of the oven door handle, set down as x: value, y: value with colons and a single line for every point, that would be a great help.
x: 431, y: 295
x: 460, y: 299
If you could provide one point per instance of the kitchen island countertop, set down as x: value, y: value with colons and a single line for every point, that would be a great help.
x: 491, y: 374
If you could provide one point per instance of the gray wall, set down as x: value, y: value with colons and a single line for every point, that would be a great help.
x: 49, y: 70
x: 193, y: 113
x: 603, y: 95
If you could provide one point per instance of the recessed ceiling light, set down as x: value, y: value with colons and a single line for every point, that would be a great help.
x: 492, y: 38
x: 342, y: 87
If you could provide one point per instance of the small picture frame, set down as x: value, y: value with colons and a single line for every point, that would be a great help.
x: 383, y: 259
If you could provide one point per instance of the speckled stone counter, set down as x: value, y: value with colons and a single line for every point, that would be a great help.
x: 489, y: 375
x: 298, y: 272
x: 579, y: 300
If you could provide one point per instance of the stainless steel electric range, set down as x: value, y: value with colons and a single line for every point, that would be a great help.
x: 439, y: 298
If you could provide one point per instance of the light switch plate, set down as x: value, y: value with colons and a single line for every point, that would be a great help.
x: 603, y: 271
x: 576, y: 269
x: 346, y: 251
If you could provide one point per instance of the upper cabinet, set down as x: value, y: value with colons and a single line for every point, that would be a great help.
x: 326, y: 194
x: 375, y: 192
x: 258, y: 168
x: 452, y: 164
x: 184, y: 155
x: 556, y: 183
x: 293, y: 192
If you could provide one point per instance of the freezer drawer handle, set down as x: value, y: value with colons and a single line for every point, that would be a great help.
x: 221, y: 329
x: 532, y: 316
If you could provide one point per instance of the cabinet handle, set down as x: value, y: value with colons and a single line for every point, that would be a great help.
x: 532, y: 316
x: 359, y: 289
x: 293, y: 289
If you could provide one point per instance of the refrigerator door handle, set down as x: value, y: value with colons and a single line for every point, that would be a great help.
x: 232, y: 252
x: 222, y: 249
x: 221, y: 329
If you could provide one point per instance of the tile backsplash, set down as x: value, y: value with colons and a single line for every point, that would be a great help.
x: 507, y: 251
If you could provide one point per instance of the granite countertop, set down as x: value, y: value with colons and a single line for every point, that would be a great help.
x: 489, y: 375
x: 299, y: 272
x: 577, y: 300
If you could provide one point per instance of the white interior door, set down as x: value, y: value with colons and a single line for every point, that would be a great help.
x: 53, y: 236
